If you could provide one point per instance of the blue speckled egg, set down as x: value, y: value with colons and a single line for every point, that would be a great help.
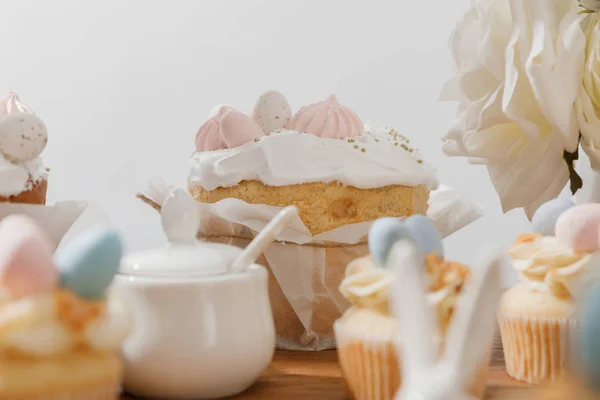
x: 383, y: 234
x: 89, y: 263
x: 426, y: 234
x: 589, y: 341
x: 545, y: 217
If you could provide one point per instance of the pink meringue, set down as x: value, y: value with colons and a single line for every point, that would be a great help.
x: 209, y: 137
x: 11, y: 103
x: 238, y: 128
x: 579, y: 228
x: 328, y: 119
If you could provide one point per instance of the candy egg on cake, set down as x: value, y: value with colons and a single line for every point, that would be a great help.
x: 336, y: 170
x: 367, y: 333
x: 23, y: 137
x: 537, y: 317
x: 60, y: 328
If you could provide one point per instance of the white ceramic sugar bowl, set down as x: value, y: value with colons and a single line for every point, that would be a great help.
x: 203, y: 326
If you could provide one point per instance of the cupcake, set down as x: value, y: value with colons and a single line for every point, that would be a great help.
x: 60, y: 331
x: 582, y: 379
x: 538, y: 316
x: 367, y: 333
x: 336, y: 170
x: 23, y: 137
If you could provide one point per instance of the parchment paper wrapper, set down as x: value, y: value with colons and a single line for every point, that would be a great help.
x: 306, y: 271
x: 56, y: 220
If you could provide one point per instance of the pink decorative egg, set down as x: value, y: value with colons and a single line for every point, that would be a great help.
x: 208, y: 137
x: 25, y: 257
x: 579, y: 228
x: 238, y: 128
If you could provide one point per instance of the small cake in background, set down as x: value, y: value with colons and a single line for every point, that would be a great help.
x: 23, y: 137
x: 60, y: 331
x: 557, y: 265
x: 366, y: 334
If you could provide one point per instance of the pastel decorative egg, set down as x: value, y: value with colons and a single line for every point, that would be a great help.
x: 89, y: 263
x: 579, y: 228
x: 23, y: 136
x: 544, y: 219
x: 588, y: 344
x: 238, y: 128
x: 25, y: 257
x: 383, y: 234
x: 272, y: 112
x: 426, y: 234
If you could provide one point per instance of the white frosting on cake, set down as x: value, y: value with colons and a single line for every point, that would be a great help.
x: 18, y: 178
x: 379, y: 157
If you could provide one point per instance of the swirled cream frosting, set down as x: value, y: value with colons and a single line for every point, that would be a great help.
x: 547, y: 266
x: 367, y: 285
x: 59, y: 322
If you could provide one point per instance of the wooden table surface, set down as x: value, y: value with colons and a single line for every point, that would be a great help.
x: 316, y: 375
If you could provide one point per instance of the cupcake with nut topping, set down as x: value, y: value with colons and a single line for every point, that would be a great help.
x: 367, y: 332
x: 60, y: 331
x: 557, y: 265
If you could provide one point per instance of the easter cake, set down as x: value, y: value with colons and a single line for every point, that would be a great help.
x: 322, y: 159
x: 337, y: 171
x: 23, y: 137
x: 60, y: 331
x: 558, y: 265
x: 366, y: 334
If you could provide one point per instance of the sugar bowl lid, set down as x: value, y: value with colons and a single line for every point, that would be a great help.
x: 181, y: 260
x: 185, y: 256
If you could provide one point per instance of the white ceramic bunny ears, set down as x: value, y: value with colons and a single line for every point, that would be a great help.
x: 428, y: 374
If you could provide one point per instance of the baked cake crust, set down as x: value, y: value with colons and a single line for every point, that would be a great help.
x: 326, y: 206
x: 35, y: 195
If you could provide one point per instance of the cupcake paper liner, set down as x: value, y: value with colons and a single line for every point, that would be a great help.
x: 536, y: 348
x: 371, y: 369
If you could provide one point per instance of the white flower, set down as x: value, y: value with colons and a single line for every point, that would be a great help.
x: 519, y: 68
x: 588, y: 103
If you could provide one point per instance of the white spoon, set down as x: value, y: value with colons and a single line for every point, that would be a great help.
x: 264, y: 238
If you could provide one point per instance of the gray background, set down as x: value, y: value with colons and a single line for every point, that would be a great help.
x: 124, y: 85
